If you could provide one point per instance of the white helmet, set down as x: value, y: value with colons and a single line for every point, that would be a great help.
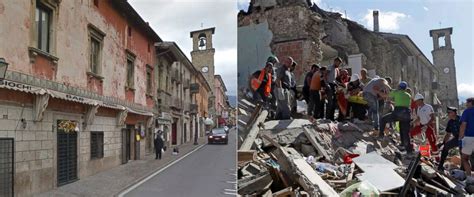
x: 354, y: 77
x: 418, y: 96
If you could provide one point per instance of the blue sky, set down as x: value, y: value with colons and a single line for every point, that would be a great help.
x: 416, y: 18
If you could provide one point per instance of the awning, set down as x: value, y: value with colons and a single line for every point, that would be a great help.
x: 221, y: 121
x: 208, y: 121
x: 75, y: 98
x: 144, y: 113
x: 12, y: 85
x: 112, y: 106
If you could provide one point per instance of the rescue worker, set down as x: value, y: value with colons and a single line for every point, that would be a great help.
x: 317, y: 102
x: 333, y: 73
x: 306, y: 87
x: 400, y: 113
x: 283, y: 84
x: 425, y: 122
x: 261, y: 83
x: 372, y: 93
x: 452, y: 129
x: 466, y: 136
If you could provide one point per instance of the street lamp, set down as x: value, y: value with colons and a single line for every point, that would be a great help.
x: 3, y: 68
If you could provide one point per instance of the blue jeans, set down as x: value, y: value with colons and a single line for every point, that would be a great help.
x: 375, y: 106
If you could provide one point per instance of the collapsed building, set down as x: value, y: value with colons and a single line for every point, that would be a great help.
x: 297, y: 157
x: 311, y: 35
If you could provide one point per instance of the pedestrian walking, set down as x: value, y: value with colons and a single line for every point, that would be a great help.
x: 451, y: 139
x: 466, y: 135
x: 158, y: 142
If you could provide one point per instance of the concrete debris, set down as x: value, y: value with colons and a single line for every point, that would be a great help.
x: 323, y: 158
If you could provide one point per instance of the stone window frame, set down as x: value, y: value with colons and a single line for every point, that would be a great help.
x: 95, y: 34
x: 97, y: 148
x: 130, y: 78
x: 33, y: 49
x: 149, y: 82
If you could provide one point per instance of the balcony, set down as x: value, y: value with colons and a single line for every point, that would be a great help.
x: 164, y: 100
x: 193, y: 108
x: 186, y: 106
x: 194, y: 88
x: 175, y: 76
x: 186, y: 83
x: 176, y: 103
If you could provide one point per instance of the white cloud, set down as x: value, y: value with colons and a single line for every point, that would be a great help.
x: 388, y: 21
x: 425, y: 8
x: 243, y: 4
x: 466, y: 90
x: 318, y: 2
x: 174, y: 19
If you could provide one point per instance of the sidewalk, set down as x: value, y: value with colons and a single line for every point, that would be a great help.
x: 117, y: 179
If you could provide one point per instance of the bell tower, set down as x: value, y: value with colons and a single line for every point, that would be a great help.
x: 443, y: 60
x: 203, y: 59
x: 203, y: 53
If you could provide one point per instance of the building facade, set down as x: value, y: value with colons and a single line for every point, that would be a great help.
x: 78, y: 94
x: 184, y: 89
x: 220, y: 100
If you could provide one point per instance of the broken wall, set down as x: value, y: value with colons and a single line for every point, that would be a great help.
x: 295, y: 30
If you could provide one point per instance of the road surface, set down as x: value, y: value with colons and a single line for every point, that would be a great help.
x: 210, y: 171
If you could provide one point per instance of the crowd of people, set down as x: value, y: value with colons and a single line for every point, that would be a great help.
x: 364, y: 99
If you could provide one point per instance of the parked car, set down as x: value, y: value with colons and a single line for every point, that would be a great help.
x: 217, y: 135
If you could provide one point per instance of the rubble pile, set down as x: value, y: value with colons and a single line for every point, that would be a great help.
x: 323, y: 158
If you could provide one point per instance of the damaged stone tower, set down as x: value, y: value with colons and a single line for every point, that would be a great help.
x: 443, y: 59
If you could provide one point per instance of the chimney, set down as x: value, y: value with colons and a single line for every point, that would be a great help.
x: 376, y: 20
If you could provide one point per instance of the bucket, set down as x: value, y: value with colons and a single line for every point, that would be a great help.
x: 425, y: 150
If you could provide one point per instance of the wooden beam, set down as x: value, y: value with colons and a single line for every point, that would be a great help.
x: 315, y: 143
x: 284, y: 192
x: 411, y: 171
x: 254, y: 130
x: 351, y: 173
x: 246, y: 155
